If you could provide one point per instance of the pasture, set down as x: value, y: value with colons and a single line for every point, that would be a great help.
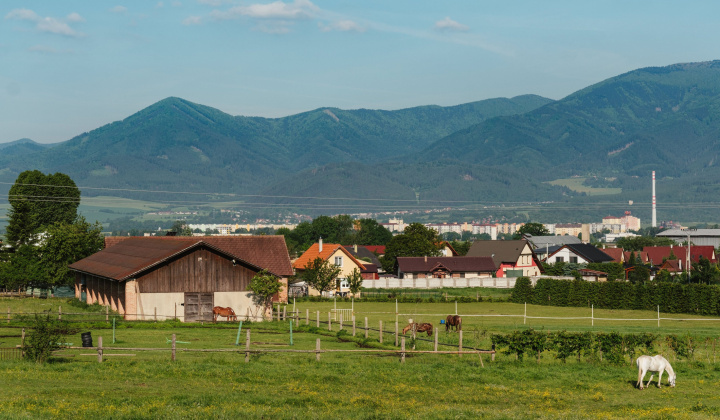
x: 576, y: 184
x: 354, y: 385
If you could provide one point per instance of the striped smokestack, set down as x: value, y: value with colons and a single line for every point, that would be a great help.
x: 654, y: 204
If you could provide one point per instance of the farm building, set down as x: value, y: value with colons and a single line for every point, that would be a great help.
x: 512, y: 258
x: 424, y: 268
x: 183, y: 277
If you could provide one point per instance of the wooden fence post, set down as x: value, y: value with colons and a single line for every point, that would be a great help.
x: 173, y: 347
x: 353, y: 322
x: 317, y: 350
x: 435, y: 346
x: 396, y: 333
x: 380, y: 332
x: 366, y: 328
x: 8, y: 316
x: 59, y: 313
x: 307, y: 316
x: 247, y: 347
x: 317, y: 318
x: 402, y: 354
x: 100, y: 352
x: 107, y: 313
x: 460, y: 345
x: 22, y: 344
x: 329, y: 322
x: 284, y: 312
x: 492, y: 356
x: 341, y: 321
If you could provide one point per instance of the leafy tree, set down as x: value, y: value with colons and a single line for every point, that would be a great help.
x: 372, y: 233
x: 704, y: 272
x: 181, y: 228
x: 355, y: 281
x: 461, y: 247
x: 416, y: 241
x: 532, y: 228
x: 637, y: 243
x: 264, y: 285
x: 320, y: 274
x: 37, y: 201
x: 639, y: 274
x: 22, y: 267
x: 66, y: 244
x: 663, y: 276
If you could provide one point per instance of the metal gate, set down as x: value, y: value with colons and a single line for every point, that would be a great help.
x: 198, y: 307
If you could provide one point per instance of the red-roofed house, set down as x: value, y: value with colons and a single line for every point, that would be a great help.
x: 181, y: 277
x: 656, y: 254
x: 334, y: 254
x: 617, y: 254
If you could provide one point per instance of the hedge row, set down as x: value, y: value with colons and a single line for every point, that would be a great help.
x: 698, y: 299
x: 401, y: 299
x: 612, y: 347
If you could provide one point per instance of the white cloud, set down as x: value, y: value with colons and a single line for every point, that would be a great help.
x: 342, y: 26
x: 159, y: 5
x: 273, y: 27
x: 48, y: 24
x: 119, y: 9
x: 74, y: 17
x: 192, y: 20
x: 177, y: 4
x: 22, y: 14
x: 448, y: 24
x: 299, y: 9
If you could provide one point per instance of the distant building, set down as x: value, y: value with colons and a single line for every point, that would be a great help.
x: 696, y: 236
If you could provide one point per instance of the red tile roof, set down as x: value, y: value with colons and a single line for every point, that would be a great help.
x: 327, y: 251
x: 125, y: 256
x: 615, y: 253
x: 657, y: 253
x: 377, y: 249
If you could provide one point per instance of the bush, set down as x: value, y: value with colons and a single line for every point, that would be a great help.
x: 45, y: 336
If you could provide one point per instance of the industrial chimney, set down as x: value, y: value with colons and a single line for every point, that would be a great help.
x: 654, y: 204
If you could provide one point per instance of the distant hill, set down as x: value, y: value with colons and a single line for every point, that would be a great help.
x: 649, y: 119
x: 179, y: 145
x: 22, y: 147
x: 498, y: 153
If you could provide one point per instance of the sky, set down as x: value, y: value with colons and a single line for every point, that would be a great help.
x: 67, y: 67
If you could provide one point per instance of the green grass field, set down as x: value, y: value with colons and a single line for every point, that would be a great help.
x: 352, y: 385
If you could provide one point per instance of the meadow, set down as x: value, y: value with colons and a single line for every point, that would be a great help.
x: 354, y: 385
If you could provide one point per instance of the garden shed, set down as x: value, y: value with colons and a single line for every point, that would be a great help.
x: 181, y: 277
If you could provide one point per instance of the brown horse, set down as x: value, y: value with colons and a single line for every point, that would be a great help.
x: 453, y: 321
x: 226, y: 312
x: 424, y: 327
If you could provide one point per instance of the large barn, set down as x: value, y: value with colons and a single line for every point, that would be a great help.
x: 181, y: 277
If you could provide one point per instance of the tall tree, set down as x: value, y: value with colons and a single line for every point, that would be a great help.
x: 532, y: 228
x: 372, y: 233
x: 415, y: 241
x: 37, y: 201
x: 65, y: 244
x: 320, y: 274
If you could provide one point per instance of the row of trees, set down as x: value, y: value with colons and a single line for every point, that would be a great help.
x: 44, y: 232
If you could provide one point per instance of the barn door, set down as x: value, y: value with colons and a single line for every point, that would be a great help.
x: 198, y: 307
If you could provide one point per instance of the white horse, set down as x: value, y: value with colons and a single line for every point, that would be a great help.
x: 654, y: 364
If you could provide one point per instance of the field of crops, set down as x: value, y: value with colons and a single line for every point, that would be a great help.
x: 354, y: 385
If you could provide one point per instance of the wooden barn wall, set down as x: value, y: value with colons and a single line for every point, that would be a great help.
x: 104, y: 291
x: 200, y: 270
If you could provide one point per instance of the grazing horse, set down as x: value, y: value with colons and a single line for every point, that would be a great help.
x: 226, y: 312
x: 453, y: 321
x: 654, y: 364
x: 424, y: 327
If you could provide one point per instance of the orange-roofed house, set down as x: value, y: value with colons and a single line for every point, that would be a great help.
x: 335, y: 254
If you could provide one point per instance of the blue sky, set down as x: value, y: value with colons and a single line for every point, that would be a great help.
x: 71, y: 66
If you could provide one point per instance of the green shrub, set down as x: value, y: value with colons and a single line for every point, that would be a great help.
x: 45, y: 336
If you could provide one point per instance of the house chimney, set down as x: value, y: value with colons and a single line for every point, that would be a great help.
x: 426, y: 258
x: 355, y: 246
x: 320, y: 244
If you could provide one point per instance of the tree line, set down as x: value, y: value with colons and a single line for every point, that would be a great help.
x: 45, y: 233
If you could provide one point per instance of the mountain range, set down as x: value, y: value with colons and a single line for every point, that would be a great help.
x: 611, y: 134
